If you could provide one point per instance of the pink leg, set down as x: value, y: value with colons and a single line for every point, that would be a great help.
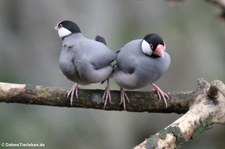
x: 107, y: 95
x: 71, y: 92
x: 123, y: 98
x: 161, y: 94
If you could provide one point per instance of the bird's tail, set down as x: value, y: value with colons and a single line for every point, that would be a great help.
x: 100, y: 39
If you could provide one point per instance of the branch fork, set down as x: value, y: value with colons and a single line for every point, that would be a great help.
x: 203, y: 107
x: 207, y: 109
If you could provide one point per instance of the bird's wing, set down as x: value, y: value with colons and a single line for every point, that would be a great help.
x: 126, y: 59
x: 103, y: 59
x: 126, y: 64
x: 99, y: 55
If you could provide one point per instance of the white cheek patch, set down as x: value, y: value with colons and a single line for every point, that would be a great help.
x: 146, y: 47
x: 63, y: 32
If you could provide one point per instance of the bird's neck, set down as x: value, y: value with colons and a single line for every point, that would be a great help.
x: 73, y: 36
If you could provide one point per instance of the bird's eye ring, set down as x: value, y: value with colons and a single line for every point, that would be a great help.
x: 151, y: 46
x: 60, y: 25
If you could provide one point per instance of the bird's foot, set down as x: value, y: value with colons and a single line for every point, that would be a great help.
x: 71, y: 92
x: 107, y: 95
x: 161, y: 94
x: 123, y: 98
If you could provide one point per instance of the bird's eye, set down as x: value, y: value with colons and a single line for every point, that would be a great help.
x: 146, y: 47
x: 60, y: 25
x: 151, y: 46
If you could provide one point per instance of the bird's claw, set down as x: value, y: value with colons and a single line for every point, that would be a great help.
x: 71, y: 92
x: 123, y: 98
x: 107, y: 96
x: 161, y: 94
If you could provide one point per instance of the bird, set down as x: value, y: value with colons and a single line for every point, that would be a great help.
x: 140, y: 63
x: 82, y: 60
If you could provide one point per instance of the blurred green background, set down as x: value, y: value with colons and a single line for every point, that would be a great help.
x: 30, y: 47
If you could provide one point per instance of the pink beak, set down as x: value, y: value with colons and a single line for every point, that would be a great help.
x: 160, y: 49
x: 57, y: 26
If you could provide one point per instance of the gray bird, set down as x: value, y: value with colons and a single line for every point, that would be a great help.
x: 83, y: 60
x: 140, y: 63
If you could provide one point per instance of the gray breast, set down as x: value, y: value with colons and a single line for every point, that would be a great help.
x: 67, y: 65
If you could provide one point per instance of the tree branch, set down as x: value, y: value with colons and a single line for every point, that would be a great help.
x: 205, y: 106
x: 140, y: 101
x: 207, y: 109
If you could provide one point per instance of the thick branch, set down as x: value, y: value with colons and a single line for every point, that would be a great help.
x: 207, y: 109
x: 140, y: 101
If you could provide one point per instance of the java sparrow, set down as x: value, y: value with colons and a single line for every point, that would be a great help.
x: 140, y: 63
x: 83, y: 60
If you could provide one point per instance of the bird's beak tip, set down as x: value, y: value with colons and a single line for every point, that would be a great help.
x: 160, y: 50
x: 56, y: 27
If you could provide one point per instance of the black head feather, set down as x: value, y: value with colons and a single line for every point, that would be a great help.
x: 154, y: 40
x: 71, y: 26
